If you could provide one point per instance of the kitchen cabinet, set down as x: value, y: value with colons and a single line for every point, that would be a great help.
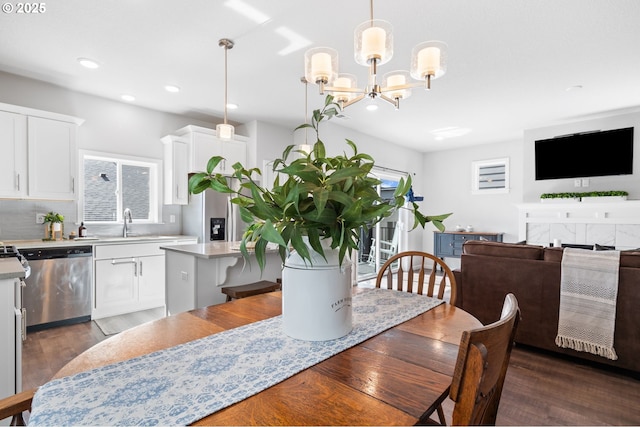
x: 128, y: 277
x: 176, y: 163
x: 11, y: 327
x: 13, y: 162
x: 39, y: 158
x: 52, y: 149
x: 203, y: 144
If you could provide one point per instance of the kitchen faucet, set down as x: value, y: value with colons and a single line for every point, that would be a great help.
x: 125, y: 214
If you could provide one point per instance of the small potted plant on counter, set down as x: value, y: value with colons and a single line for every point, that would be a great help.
x: 54, y: 225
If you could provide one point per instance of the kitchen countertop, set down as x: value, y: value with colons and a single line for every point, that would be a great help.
x: 10, y: 268
x: 39, y: 243
x: 211, y: 250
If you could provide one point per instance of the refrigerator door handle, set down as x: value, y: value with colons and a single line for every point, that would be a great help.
x: 230, y: 218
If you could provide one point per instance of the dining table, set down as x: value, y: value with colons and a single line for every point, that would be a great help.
x: 391, y: 378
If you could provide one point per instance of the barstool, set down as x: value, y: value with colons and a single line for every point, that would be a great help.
x: 251, y: 289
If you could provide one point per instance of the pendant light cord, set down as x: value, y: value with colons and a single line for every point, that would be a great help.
x: 226, y: 44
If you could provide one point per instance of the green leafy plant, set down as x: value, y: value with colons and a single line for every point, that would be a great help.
x: 584, y: 194
x: 321, y: 198
x: 53, y: 217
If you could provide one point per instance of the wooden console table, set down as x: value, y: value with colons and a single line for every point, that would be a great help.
x: 449, y: 243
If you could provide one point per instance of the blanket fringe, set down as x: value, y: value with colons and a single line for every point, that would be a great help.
x: 580, y: 345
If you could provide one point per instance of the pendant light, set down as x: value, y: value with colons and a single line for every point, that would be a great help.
x: 225, y: 131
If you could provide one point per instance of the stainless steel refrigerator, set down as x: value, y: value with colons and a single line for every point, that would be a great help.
x: 212, y: 217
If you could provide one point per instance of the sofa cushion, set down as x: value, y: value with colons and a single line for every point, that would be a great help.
x: 508, y: 250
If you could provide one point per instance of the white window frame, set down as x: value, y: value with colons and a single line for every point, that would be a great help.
x: 155, y: 185
x: 476, y: 174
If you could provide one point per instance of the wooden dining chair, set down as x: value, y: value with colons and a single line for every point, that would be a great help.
x: 14, y: 406
x: 417, y: 272
x: 481, y: 367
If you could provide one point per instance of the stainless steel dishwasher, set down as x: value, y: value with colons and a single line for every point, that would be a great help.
x: 59, y: 289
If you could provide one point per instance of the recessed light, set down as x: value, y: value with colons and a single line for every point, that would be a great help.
x: 128, y: 98
x: 372, y: 107
x: 88, y: 63
x: 232, y: 106
x: 172, y: 88
x: 574, y: 87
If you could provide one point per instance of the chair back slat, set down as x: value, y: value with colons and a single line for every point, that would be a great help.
x: 414, y: 265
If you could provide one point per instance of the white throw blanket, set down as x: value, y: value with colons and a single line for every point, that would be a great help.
x: 588, y: 293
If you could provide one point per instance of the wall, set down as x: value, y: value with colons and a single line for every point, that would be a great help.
x: 631, y: 183
x: 447, y: 188
x: 109, y: 126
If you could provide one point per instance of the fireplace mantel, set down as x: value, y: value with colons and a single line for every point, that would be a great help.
x: 604, y: 223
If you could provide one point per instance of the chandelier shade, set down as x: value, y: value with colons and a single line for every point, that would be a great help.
x: 373, y: 46
x: 321, y: 65
x: 373, y: 41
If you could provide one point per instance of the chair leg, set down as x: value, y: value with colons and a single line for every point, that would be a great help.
x: 441, y: 417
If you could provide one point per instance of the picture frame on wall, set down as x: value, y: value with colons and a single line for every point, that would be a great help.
x: 490, y: 176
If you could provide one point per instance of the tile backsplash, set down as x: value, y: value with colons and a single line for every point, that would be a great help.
x: 18, y: 220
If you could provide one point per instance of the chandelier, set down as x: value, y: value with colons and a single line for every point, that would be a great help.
x: 373, y: 46
x: 225, y: 131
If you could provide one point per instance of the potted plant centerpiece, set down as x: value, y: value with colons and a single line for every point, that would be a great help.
x: 54, y: 223
x: 314, y: 216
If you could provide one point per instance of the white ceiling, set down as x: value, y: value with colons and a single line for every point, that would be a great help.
x: 510, y: 61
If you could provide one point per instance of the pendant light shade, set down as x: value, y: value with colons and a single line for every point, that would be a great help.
x: 429, y: 61
x: 225, y: 131
x: 321, y: 65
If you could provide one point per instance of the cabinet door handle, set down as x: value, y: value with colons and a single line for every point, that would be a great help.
x: 135, y: 269
x: 73, y: 185
x: 140, y: 268
x: 24, y: 324
x: 114, y: 262
x: 177, y: 191
x: 18, y: 181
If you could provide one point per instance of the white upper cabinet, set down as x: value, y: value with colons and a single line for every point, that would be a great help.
x: 52, y: 159
x: 204, y: 144
x: 13, y: 161
x: 189, y: 150
x: 176, y: 161
x: 39, y: 154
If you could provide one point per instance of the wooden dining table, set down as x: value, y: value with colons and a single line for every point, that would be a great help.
x: 390, y: 379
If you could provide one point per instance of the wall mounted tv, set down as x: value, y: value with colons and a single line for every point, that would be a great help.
x: 599, y: 153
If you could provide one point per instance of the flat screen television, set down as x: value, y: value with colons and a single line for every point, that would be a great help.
x: 600, y: 153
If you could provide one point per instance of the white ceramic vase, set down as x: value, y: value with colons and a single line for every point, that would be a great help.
x: 316, y: 297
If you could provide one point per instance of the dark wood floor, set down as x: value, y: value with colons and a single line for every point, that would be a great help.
x: 540, y: 389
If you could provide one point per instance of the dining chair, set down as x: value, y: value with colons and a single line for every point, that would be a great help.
x: 481, y: 367
x: 13, y: 406
x: 408, y: 271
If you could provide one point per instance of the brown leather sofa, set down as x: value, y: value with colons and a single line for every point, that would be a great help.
x: 489, y: 270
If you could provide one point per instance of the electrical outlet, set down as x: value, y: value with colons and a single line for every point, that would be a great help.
x: 577, y: 183
x: 172, y: 219
x: 40, y: 218
x: 585, y: 182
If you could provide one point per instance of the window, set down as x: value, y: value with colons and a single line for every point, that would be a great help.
x: 491, y: 176
x: 111, y: 183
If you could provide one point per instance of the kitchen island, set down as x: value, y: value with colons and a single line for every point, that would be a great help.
x: 196, y: 273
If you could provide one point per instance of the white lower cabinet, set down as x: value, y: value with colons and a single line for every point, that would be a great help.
x: 128, y: 278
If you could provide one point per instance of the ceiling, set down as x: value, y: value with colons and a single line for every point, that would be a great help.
x: 510, y: 62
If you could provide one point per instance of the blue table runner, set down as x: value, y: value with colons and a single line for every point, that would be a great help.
x: 182, y: 384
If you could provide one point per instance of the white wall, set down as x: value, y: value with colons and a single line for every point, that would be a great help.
x: 447, y: 188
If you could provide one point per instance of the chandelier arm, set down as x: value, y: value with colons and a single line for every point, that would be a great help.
x: 344, y: 89
x: 401, y: 87
x: 394, y: 102
x: 353, y: 101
